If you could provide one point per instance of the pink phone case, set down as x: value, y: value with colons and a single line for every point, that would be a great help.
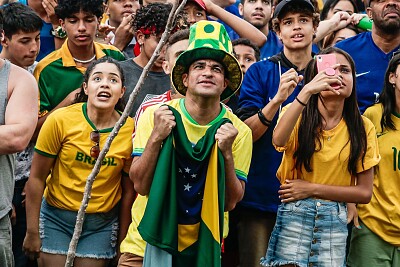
x: 325, y: 61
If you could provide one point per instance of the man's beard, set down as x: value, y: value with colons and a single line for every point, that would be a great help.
x: 390, y: 26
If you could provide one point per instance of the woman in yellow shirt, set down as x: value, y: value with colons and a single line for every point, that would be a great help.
x: 66, y: 150
x: 327, y: 146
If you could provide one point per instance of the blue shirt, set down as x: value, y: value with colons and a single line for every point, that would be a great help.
x: 46, y: 39
x: 371, y: 63
x: 233, y: 9
x: 259, y: 86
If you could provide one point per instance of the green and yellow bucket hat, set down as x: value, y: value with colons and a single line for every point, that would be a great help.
x: 209, y: 40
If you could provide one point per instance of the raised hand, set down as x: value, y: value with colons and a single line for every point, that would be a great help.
x: 164, y: 122
x: 225, y: 136
x: 324, y: 81
x: 289, y: 81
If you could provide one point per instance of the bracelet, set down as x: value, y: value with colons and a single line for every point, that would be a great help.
x: 301, y: 103
x: 263, y: 119
x: 58, y: 32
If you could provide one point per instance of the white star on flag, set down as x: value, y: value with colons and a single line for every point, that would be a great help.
x: 187, y: 187
x: 187, y: 169
x: 194, y: 175
x: 179, y: 169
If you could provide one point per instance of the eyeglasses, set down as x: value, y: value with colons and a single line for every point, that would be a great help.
x: 95, y: 150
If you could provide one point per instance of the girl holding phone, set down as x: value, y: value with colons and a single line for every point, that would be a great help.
x: 329, y: 154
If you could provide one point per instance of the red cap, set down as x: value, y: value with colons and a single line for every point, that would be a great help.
x: 200, y: 3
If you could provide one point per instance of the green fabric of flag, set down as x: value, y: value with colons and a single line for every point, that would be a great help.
x: 159, y: 225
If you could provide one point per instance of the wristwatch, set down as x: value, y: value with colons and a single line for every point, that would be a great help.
x: 59, y: 32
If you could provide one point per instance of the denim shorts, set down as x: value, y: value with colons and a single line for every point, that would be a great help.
x: 308, y: 232
x: 99, y: 232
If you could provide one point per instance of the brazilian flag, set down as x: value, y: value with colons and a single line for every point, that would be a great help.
x: 184, y: 212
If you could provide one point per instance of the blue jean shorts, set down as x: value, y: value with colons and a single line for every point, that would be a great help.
x: 99, y: 232
x: 308, y: 232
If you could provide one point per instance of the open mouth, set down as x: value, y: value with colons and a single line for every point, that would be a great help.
x: 104, y: 95
x: 298, y: 37
x: 336, y: 86
x: 207, y: 82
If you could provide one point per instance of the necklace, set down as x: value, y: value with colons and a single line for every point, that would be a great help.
x: 84, y: 61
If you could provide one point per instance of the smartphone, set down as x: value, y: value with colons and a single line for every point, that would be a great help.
x: 325, y: 61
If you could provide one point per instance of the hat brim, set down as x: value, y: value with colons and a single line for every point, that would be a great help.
x: 232, y: 67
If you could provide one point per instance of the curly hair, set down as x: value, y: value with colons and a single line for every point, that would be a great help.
x: 19, y: 17
x: 152, y: 16
x: 66, y: 8
x: 83, y: 97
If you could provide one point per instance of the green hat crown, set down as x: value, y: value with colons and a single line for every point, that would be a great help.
x: 209, y: 40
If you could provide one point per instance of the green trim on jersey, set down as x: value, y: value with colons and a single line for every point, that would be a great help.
x: 106, y: 130
x: 241, y: 174
x: 396, y: 114
x: 187, y: 115
x: 45, y: 154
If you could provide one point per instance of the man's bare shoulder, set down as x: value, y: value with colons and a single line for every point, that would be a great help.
x: 20, y: 78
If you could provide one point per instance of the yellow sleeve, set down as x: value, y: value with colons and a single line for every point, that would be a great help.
x: 50, y: 136
x: 372, y: 156
x: 145, y: 126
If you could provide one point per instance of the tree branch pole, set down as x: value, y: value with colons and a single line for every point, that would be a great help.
x: 96, y: 169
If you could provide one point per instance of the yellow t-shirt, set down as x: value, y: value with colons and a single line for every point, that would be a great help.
x: 241, y: 149
x: 382, y: 214
x: 65, y: 136
x: 329, y: 164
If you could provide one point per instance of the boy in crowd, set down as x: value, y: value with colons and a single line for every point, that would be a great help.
x: 120, y: 16
x: 148, y: 25
x: 246, y: 53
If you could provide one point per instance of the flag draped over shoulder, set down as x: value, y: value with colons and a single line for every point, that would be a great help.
x: 184, y: 212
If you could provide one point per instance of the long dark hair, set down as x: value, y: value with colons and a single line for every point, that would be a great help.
x: 387, y: 96
x: 330, y: 4
x: 310, y: 129
x: 82, y: 97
